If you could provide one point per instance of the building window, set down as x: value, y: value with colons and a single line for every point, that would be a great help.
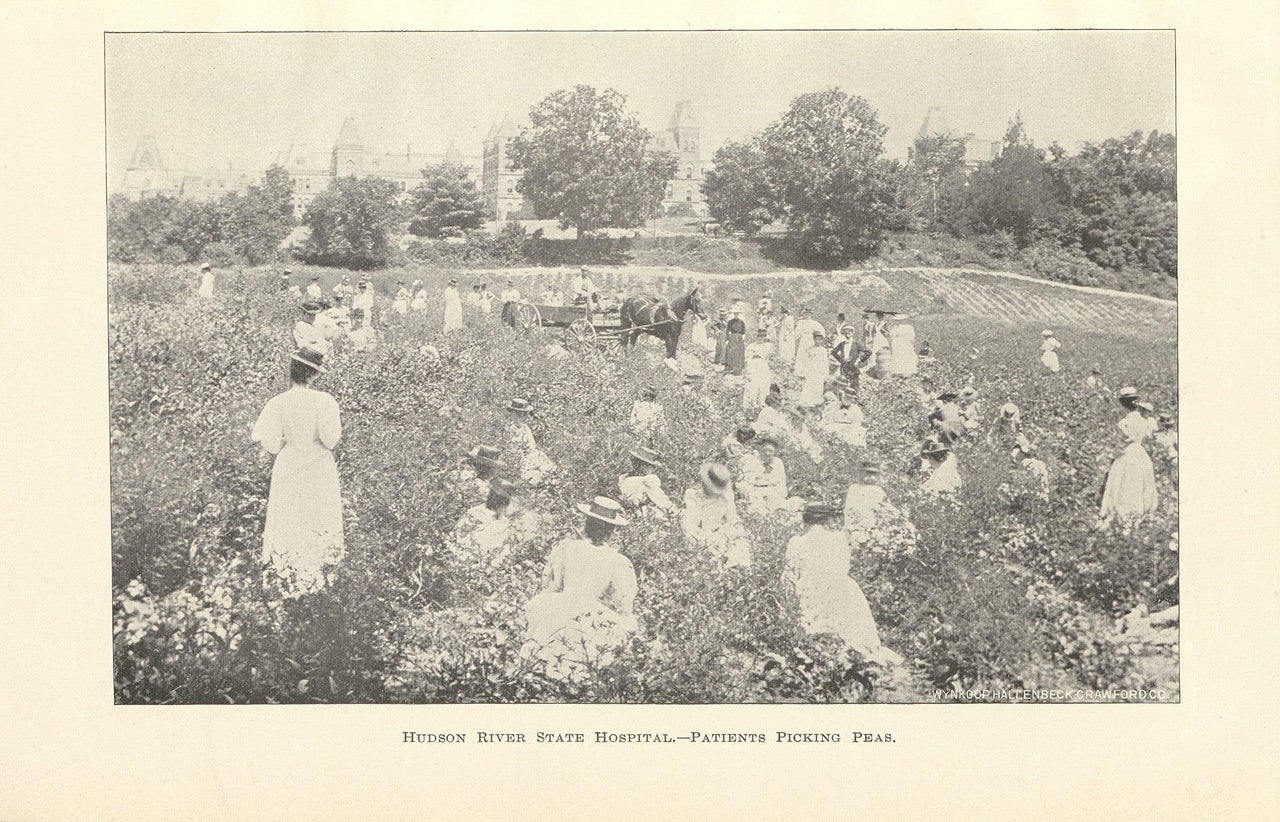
x: 299, y: 161
x: 688, y: 172
x: 669, y: 191
x: 688, y: 195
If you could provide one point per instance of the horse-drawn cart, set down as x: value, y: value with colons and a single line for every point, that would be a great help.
x: 583, y: 326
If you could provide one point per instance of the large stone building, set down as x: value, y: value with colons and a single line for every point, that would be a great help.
x: 977, y: 151
x: 312, y: 169
x: 681, y: 138
x: 147, y: 174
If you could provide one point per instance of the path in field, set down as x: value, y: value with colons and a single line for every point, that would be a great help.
x: 989, y: 294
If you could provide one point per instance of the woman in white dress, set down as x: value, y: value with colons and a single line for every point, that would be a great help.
x: 903, y: 360
x: 585, y: 609
x: 1049, y: 351
x: 641, y: 488
x: 647, y: 417
x: 206, y: 281
x: 845, y: 421
x: 1130, y: 491
x: 419, y: 297
x: 535, y: 466
x: 488, y: 531
x: 400, y: 304
x: 758, y: 373
x: 943, y: 470
x: 711, y: 517
x: 302, y: 539
x: 814, y: 368
x: 831, y: 602
x: 452, y: 308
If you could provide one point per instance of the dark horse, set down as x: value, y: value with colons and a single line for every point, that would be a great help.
x: 659, y: 318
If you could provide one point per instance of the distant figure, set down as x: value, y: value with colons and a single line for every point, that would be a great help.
x: 419, y: 297
x: 302, y: 539
x: 764, y: 479
x: 946, y: 420
x: 343, y: 290
x: 1130, y: 490
x: 490, y: 530
x: 698, y: 334
x: 641, y: 489
x: 313, y: 290
x: 480, y: 466
x: 831, y: 602
x: 865, y: 503
x: 510, y: 294
x: 711, y: 517
x: 452, y: 308
x: 903, y: 360
x: 306, y: 334
x: 807, y: 331
x: 362, y: 307
x: 845, y: 421
x: 400, y: 304
x: 647, y: 418
x: 720, y: 328
x: 735, y: 346
x: 1004, y: 428
x: 473, y: 297
x: 535, y: 466
x: 813, y: 366
x: 206, y: 281
x: 943, y: 471
x: 970, y: 409
x: 1049, y: 351
x: 486, y: 298
x: 585, y: 610
x: 581, y: 290
x: 758, y: 373
x: 786, y: 335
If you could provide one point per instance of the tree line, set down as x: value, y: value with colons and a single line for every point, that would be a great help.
x: 819, y: 171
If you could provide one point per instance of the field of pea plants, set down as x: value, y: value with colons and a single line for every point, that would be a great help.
x: 998, y: 588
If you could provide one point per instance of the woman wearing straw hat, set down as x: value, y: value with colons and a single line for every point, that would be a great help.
x: 758, y: 373
x: 943, y: 470
x: 845, y: 421
x: 945, y: 418
x: 903, y: 360
x: 305, y: 333
x: 647, y: 417
x: 452, y: 307
x: 1130, y: 490
x: 585, y: 609
x: 1004, y: 428
x: 302, y: 539
x: 813, y: 366
x: 1049, y: 346
x: 641, y: 489
x: 831, y: 602
x: 491, y: 529
x: 206, y: 281
x: 735, y: 346
x: 764, y: 479
x: 711, y: 517
x: 535, y: 466
x: 479, y: 466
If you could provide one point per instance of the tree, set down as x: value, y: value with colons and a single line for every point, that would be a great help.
x: 586, y: 161
x: 446, y: 203
x: 737, y: 188
x: 352, y: 222
x: 828, y: 181
x: 935, y: 177
x: 254, y: 223
x: 1014, y: 193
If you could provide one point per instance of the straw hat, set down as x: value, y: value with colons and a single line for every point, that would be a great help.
x: 1046, y: 333
x: 646, y: 455
x: 933, y: 447
x: 605, y: 510
x: 520, y: 404
x: 486, y: 453
x: 310, y: 307
x: 714, y: 475
x: 308, y: 357
x: 1128, y: 393
x: 204, y: 267
x: 947, y: 395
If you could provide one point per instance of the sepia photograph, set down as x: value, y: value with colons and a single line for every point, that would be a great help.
x: 661, y: 367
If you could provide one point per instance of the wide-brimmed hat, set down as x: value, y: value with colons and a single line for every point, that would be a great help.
x: 310, y: 307
x: 947, y: 395
x: 1165, y: 420
x: 502, y: 487
x: 932, y: 446
x: 715, y: 475
x: 693, y: 378
x: 582, y: 269
x: 650, y: 392
x: 1145, y: 406
x: 646, y: 455
x: 307, y: 356
x: 786, y: 310
x: 288, y: 271
x: 284, y: 276
x: 487, y: 453
x: 453, y: 281
x: 819, y: 335
x: 968, y: 392
x: 1046, y: 333
x: 346, y: 278
x: 605, y: 510
x: 520, y: 404
x: 723, y: 311
x: 204, y: 267
x: 1128, y: 393
x: 364, y: 283
x: 821, y: 510
x: 847, y: 329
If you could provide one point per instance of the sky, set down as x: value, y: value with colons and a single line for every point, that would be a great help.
x: 236, y: 100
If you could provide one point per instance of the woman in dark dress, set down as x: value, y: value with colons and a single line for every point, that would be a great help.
x: 735, y: 349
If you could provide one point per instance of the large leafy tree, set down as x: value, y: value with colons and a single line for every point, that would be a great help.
x: 829, y: 182
x: 935, y: 177
x: 586, y: 161
x: 352, y: 223
x: 1013, y: 193
x: 446, y: 203
x: 738, y: 188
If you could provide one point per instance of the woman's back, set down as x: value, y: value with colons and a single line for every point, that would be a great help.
x: 300, y: 418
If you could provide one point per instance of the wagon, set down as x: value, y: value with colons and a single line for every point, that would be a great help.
x: 583, y: 326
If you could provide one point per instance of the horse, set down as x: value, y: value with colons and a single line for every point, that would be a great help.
x: 658, y: 318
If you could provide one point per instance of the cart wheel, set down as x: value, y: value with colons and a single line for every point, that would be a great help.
x: 527, y: 317
x: 580, y: 334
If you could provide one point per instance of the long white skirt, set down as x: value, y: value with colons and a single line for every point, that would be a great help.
x: 1130, y: 492
x: 452, y: 317
x: 1050, y: 360
x: 303, y: 532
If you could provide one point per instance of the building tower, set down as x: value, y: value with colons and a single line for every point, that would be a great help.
x: 147, y: 173
x: 499, y: 178
x: 348, y: 152
x: 683, y: 141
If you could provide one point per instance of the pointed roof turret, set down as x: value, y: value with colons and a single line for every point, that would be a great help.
x: 349, y: 137
x: 934, y: 123
x: 147, y: 154
x: 683, y: 116
x: 452, y: 157
x: 507, y: 128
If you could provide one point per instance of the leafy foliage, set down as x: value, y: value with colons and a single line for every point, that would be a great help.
x: 737, y: 187
x: 1013, y: 193
x: 935, y: 178
x: 586, y: 161
x: 446, y: 203
x: 352, y: 222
